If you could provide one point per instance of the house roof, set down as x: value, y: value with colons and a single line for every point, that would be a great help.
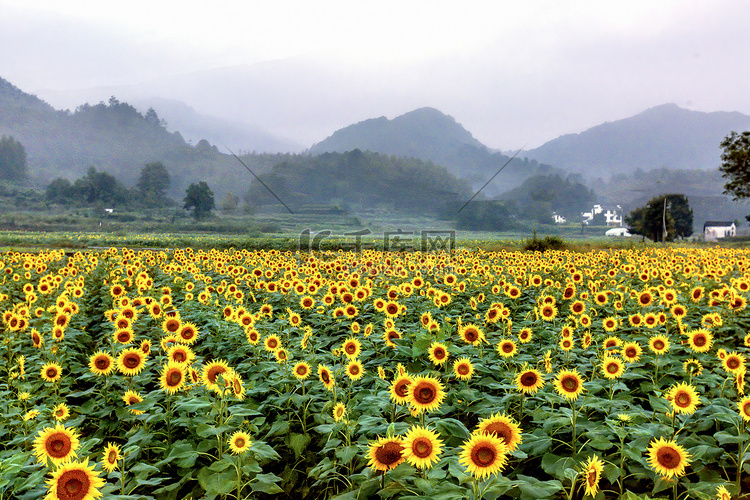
x: 718, y: 223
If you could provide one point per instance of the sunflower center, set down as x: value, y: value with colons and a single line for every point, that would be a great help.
x: 570, y: 384
x: 102, y: 363
x: 112, y: 456
x: 668, y: 457
x: 699, y: 340
x: 179, y: 356
x: 350, y: 349
x: 439, y: 353
x: 733, y: 363
x: 354, y: 370
x: 682, y: 399
x: 528, y: 379
x: 471, y: 335
x: 73, y: 485
x: 58, y: 445
x: 507, y: 347
x: 131, y: 361
x: 591, y: 479
x: 51, y: 373
x: 401, y: 388
x: 422, y: 447
x: 175, y: 378
x: 389, y: 454
x: 324, y: 377
x: 425, y: 394
x: 463, y: 369
x: 239, y: 442
x: 501, y: 430
x: 612, y: 368
x: 215, y: 372
x: 630, y: 352
x: 483, y: 455
x: 659, y: 345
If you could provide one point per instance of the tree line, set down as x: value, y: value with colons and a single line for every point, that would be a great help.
x: 150, y: 192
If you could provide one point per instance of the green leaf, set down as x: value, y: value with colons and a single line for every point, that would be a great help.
x: 346, y: 453
x: 534, y: 489
x: 298, y: 443
x: 450, y: 427
x: 266, y: 483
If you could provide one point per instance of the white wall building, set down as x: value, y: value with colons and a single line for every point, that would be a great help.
x: 713, y: 230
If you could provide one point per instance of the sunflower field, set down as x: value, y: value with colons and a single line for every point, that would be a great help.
x: 176, y: 374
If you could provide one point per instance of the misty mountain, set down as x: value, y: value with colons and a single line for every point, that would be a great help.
x: 664, y: 136
x: 194, y: 126
x: 116, y: 138
x: 430, y: 135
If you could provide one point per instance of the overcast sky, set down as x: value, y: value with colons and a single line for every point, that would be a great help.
x: 513, y: 73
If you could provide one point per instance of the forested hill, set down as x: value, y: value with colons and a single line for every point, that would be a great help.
x: 359, y: 178
x: 114, y: 137
x: 665, y: 136
x: 430, y: 135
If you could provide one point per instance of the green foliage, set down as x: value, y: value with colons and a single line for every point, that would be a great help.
x: 735, y: 164
x: 671, y: 210
x: 200, y: 199
x: 12, y: 159
x: 357, y: 177
x: 486, y: 216
x: 540, y: 195
x: 153, y: 184
x: 545, y: 244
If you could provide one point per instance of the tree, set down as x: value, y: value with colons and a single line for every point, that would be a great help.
x: 99, y: 187
x: 735, y: 165
x: 153, y: 184
x: 671, y: 210
x: 12, y: 159
x: 200, y: 199
x: 59, y: 191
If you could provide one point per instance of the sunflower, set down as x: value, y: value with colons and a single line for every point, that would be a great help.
x: 301, y: 370
x: 172, y: 377
x: 548, y: 312
x: 529, y: 381
x: 577, y: 307
x: 569, y: 384
x: 37, y: 338
x: 645, y: 298
x: 252, y: 335
x: 744, y: 407
x: 239, y: 442
x: 425, y: 393
x: 351, y: 348
x: 612, y: 367
x: 75, y: 481
x: 272, y: 343
x: 57, y: 444
x: 506, y: 348
x: 171, y: 325
x: 463, y: 369
x: 610, y: 324
x: 181, y: 354
x: 211, y: 372
x: 592, y: 471
x: 503, y: 427
x: 101, y: 363
x: 734, y: 363
x: 399, y: 389
x: 390, y: 335
x: 131, y: 361
x: 61, y: 412
x: 471, y: 334
x: 422, y: 447
x: 354, y: 369
x: 700, y: 340
x: 51, y: 372
x: 438, y: 353
x: 692, y: 367
x: 668, y: 458
x: 697, y: 293
x: 525, y: 335
x: 386, y: 454
x: 567, y: 344
x: 635, y: 320
x: 132, y: 398
x: 683, y: 397
x: 392, y: 309
x: 722, y: 493
x: 339, y: 412
x: 483, y: 455
x: 145, y: 346
x: 678, y: 311
x: 111, y: 456
x: 188, y: 333
x: 325, y: 376
x: 659, y: 344
x: 631, y: 352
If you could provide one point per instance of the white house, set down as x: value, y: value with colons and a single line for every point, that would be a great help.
x: 618, y: 231
x: 713, y: 230
x: 559, y: 219
x: 612, y: 214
